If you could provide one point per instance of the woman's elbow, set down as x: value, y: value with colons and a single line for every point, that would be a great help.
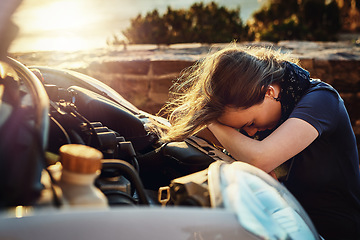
x: 259, y: 160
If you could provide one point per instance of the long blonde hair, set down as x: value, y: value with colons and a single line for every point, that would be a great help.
x: 235, y: 77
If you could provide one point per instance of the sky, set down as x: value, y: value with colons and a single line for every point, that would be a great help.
x: 68, y: 25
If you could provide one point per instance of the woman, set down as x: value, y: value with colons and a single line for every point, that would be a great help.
x: 265, y: 110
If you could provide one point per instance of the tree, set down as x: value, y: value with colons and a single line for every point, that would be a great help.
x: 150, y: 29
x: 209, y: 23
x: 179, y: 24
x: 301, y: 20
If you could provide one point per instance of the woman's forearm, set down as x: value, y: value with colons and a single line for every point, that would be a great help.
x: 241, y: 147
x: 286, y: 141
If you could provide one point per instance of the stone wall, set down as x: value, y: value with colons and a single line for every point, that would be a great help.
x: 144, y: 74
x: 144, y: 83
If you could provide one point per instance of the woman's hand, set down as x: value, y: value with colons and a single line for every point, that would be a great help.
x: 273, y: 174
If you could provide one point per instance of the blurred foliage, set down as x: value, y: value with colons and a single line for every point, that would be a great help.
x: 314, y: 20
x: 201, y: 23
x: 350, y: 15
x: 150, y: 29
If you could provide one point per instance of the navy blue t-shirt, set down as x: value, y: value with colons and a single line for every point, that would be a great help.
x: 324, y: 177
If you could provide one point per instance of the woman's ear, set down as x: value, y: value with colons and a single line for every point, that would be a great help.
x: 270, y: 92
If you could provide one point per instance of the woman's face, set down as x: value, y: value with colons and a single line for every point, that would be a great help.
x: 260, y: 117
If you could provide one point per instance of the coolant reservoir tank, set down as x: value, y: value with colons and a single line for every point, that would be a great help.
x: 80, y: 159
x: 81, y: 165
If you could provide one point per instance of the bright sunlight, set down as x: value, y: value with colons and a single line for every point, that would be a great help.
x: 56, y: 25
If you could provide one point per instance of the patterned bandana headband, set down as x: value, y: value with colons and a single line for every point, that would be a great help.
x: 294, y: 84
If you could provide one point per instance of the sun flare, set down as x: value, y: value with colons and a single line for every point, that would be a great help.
x: 57, y: 25
x: 62, y: 16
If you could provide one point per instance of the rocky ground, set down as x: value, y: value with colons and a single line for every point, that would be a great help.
x: 343, y: 50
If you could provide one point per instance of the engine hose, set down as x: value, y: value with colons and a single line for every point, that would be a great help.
x: 61, y: 128
x: 125, y: 198
x: 72, y: 109
x: 130, y: 173
x: 136, y: 164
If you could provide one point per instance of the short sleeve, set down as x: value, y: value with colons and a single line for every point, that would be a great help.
x: 319, y: 108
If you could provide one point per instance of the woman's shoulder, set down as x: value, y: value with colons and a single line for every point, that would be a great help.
x: 317, y: 84
x: 321, y: 97
x: 320, y: 106
x: 321, y: 93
